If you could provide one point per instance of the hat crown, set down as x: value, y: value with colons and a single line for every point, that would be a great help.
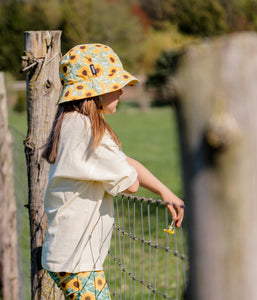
x: 90, y: 70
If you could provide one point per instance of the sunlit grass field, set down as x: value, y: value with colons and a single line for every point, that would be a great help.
x: 149, y: 137
x: 152, y: 139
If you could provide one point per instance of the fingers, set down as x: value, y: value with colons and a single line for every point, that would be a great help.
x: 180, y: 214
x: 172, y: 212
x: 177, y: 213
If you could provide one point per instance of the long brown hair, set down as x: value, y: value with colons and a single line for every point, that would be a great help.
x: 88, y: 107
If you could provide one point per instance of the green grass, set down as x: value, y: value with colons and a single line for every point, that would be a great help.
x: 18, y: 120
x: 18, y: 128
x: 150, y: 138
x: 161, y: 269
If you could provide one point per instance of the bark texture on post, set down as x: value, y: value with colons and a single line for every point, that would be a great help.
x: 41, y: 62
x: 216, y: 87
x: 9, y: 284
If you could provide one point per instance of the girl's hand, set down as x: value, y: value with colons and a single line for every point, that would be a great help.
x: 176, y: 207
x: 150, y: 182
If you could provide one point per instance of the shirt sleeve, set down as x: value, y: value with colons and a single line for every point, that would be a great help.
x: 77, y: 160
x: 111, y: 167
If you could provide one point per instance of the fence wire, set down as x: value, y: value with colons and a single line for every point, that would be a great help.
x: 144, y: 262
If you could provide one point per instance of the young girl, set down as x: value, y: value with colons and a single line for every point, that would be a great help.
x: 87, y: 169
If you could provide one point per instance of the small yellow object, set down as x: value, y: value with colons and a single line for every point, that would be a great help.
x: 171, y: 229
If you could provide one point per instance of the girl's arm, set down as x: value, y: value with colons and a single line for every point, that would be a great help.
x: 149, y: 181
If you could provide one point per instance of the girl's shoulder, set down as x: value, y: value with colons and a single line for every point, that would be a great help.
x: 76, y: 128
x: 76, y: 121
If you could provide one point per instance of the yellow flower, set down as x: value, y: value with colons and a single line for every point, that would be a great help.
x: 74, y: 284
x: 83, y: 73
x: 73, y: 296
x: 83, y: 48
x: 89, y: 93
x: 132, y: 83
x: 80, y: 87
x: 112, y: 72
x: 74, y: 58
x: 67, y: 95
x: 62, y: 275
x: 115, y: 86
x: 106, y: 48
x: 62, y: 82
x: 99, y: 283
x: 84, y: 274
x: 169, y: 231
x: 125, y: 76
x: 98, y: 45
x: 88, y: 296
x: 88, y: 59
x: 171, y: 228
x: 112, y: 58
x: 64, y: 69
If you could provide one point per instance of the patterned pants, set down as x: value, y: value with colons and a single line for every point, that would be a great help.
x: 83, y: 285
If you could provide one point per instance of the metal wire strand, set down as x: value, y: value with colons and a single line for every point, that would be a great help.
x: 139, y: 229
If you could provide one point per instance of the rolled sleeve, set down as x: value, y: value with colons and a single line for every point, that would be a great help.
x: 111, y: 167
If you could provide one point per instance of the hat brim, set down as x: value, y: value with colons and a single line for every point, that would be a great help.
x: 96, y: 87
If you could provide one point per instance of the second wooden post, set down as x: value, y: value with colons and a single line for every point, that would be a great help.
x: 216, y: 90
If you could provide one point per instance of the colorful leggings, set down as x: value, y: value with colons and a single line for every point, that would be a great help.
x: 83, y: 285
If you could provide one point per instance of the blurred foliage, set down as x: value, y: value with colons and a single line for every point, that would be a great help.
x: 196, y: 19
x: 110, y: 22
x: 107, y: 22
x: 158, y: 41
x: 201, y: 17
x: 241, y: 14
x: 12, y: 25
x: 166, y: 65
x: 138, y: 30
x: 250, y: 9
x: 159, y: 11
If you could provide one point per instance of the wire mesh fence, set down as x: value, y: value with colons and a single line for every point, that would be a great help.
x: 144, y: 261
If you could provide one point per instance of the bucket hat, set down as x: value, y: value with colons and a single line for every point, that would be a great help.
x: 91, y: 70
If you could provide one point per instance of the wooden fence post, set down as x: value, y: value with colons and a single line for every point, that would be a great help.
x: 216, y: 90
x: 41, y: 62
x: 9, y: 284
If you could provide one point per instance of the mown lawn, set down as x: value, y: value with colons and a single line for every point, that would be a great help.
x: 151, y: 138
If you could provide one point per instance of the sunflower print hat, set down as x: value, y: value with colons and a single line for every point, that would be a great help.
x: 91, y: 70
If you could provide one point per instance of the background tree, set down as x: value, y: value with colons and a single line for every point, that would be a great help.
x: 94, y: 21
x: 159, y: 11
x: 12, y: 25
x: 241, y: 14
x: 250, y: 9
x: 137, y: 29
x: 102, y: 21
x: 201, y: 17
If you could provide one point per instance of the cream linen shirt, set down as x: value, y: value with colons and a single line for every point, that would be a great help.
x: 79, y: 198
